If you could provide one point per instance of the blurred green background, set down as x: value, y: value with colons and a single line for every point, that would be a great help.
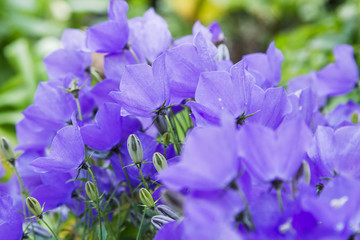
x: 305, y: 31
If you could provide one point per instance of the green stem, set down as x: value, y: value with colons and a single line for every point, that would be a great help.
x: 126, y: 174
x: 141, y: 223
x: 22, y: 189
x: 129, y: 184
x: 143, y: 179
x: 47, y: 225
x: 97, y: 202
x: 99, y: 214
x: 177, y: 147
x: 134, y: 55
x: 100, y: 210
x: 79, y: 108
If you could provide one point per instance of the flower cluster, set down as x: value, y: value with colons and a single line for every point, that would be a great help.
x: 135, y: 129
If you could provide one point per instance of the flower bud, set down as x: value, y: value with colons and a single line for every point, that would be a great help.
x: 7, y: 150
x: 306, y: 172
x: 166, y: 211
x: 161, y: 124
x: 174, y: 200
x: 146, y: 198
x: 91, y: 191
x: 166, y: 139
x: 34, y: 207
x: 135, y: 149
x: 159, y: 161
x: 159, y: 221
x: 222, y: 53
x: 355, y: 118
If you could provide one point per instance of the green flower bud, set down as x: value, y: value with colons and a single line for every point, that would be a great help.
x: 91, y: 191
x: 34, y: 207
x: 159, y: 161
x: 166, y: 139
x: 7, y: 150
x: 146, y: 198
x: 135, y: 149
x: 355, y: 118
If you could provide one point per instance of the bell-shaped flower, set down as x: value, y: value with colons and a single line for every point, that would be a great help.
x: 266, y: 67
x: 337, y: 150
x: 274, y: 154
x: 208, y: 162
x: 72, y: 59
x: 67, y: 152
x: 335, y: 79
x: 112, y: 35
x: 143, y: 89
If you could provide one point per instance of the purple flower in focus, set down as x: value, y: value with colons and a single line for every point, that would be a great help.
x: 143, y: 89
x: 66, y: 154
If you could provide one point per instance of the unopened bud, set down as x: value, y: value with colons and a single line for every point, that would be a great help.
x: 91, y: 191
x: 174, y: 200
x: 159, y: 221
x: 222, y: 53
x: 34, y: 206
x: 166, y: 139
x: 355, y: 118
x: 146, y: 198
x: 135, y: 149
x: 159, y: 161
x: 306, y: 172
x: 166, y: 211
x: 7, y: 150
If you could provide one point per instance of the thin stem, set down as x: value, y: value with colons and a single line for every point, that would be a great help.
x: 134, y: 55
x: 278, y: 193
x: 177, y: 148
x: 97, y: 202
x: 47, y: 225
x: 143, y: 179
x: 98, y: 207
x: 79, y: 108
x: 99, y: 213
x: 129, y: 184
x: 126, y: 174
x: 141, y: 223
x: 22, y: 189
